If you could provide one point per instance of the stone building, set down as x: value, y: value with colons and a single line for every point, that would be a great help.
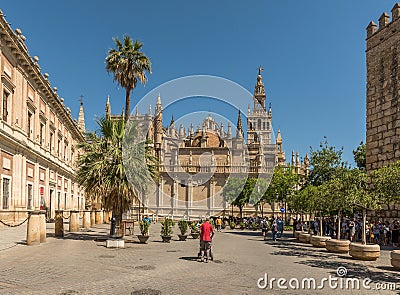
x: 196, y: 164
x: 383, y: 90
x: 37, y: 136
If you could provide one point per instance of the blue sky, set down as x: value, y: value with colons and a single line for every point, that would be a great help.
x: 313, y: 53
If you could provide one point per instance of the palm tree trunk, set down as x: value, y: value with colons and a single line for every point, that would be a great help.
x: 127, y: 104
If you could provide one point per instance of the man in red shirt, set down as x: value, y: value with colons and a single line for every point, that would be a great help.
x: 206, y: 235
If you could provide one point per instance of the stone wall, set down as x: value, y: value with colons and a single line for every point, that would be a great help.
x: 383, y: 75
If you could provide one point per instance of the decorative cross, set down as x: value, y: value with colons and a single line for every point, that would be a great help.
x: 80, y: 99
x: 260, y: 69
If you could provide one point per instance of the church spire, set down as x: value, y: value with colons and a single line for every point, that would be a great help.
x: 81, y: 118
x: 239, y: 133
x: 259, y: 92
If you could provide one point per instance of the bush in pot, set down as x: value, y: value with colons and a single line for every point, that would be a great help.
x: 232, y: 225
x: 144, y: 226
x: 194, y: 230
x: 166, y: 229
x: 183, y: 227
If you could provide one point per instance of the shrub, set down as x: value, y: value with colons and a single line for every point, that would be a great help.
x: 166, y: 227
x: 183, y: 226
x: 241, y: 224
x: 144, y: 227
x: 288, y: 227
x: 232, y: 225
x: 193, y: 227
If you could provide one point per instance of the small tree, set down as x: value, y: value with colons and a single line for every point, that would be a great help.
x: 360, y: 155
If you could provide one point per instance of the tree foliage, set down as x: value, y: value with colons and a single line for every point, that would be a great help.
x: 129, y: 65
x: 102, y: 171
x: 324, y: 163
x: 360, y: 155
x: 385, y: 183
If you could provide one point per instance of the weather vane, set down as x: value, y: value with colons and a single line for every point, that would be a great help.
x: 80, y: 99
x: 260, y: 69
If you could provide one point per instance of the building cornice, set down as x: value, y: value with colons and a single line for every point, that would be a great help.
x: 30, y: 68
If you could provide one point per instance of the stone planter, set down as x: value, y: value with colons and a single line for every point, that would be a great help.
x: 195, y: 235
x: 182, y: 237
x: 143, y: 239
x: 305, y: 237
x: 166, y: 239
x: 319, y: 241
x: 395, y: 255
x: 297, y: 233
x: 364, y: 252
x: 337, y: 246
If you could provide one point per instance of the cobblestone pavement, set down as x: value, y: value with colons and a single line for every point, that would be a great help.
x: 80, y: 264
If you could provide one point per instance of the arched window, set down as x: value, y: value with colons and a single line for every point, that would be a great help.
x: 267, y: 125
x: 259, y: 124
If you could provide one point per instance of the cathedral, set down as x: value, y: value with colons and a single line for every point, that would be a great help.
x: 195, y: 165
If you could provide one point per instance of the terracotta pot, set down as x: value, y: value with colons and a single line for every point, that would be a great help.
x: 337, y: 246
x: 195, y: 235
x: 364, y: 252
x: 305, y: 237
x: 319, y: 241
x: 395, y: 255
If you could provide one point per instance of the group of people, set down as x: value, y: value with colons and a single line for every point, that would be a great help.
x: 378, y: 232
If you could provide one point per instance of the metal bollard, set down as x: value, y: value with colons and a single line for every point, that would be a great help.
x: 113, y: 230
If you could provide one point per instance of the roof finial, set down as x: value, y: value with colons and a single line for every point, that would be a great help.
x: 260, y: 69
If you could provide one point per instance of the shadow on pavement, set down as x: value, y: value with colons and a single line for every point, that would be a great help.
x: 189, y: 258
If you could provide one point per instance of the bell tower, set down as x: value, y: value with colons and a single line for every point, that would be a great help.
x: 259, y: 126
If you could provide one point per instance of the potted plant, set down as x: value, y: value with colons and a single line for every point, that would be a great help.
x: 232, y: 225
x: 144, y: 230
x: 194, y: 230
x: 183, y: 227
x: 166, y: 230
x: 241, y: 225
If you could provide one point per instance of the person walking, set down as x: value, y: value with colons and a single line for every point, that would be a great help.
x: 218, y: 223
x: 206, y: 235
x: 274, y: 229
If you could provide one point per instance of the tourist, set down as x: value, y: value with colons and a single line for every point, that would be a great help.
x: 280, y: 225
x: 206, y: 235
x: 395, y: 233
x: 274, y: 229
x: 264, y: 228
x: 218, y: 223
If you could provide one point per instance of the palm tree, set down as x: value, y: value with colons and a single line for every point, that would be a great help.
x: 105, y: 162
x: 128, y: 65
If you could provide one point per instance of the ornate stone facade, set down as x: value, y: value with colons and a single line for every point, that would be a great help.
x: 37, y: 135
x: 383, y: 91
x: 195, y: 164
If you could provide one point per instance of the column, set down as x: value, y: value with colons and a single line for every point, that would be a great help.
x: 74, y: 221
x: 92, y: 218
x: 42, y: 220
x: 86, y: 219
x: 59, y: 224
x: 33, y: 229
x: 99, y: 217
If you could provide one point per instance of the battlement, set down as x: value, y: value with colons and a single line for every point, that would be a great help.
x: 384, y: 21
x: 385, y: 29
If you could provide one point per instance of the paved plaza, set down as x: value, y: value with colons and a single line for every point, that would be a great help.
x: 80, y: 263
